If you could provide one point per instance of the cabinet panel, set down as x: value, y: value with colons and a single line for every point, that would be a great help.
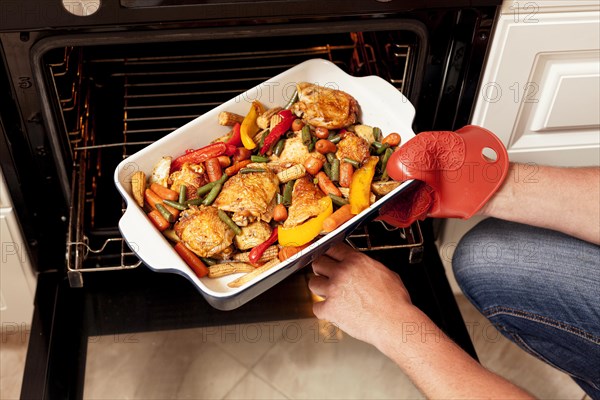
x: 17, y: 281
x: 528, y: 10
x: 540, y: 93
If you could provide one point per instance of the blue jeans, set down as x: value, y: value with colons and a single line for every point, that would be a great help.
x: 541, y: 289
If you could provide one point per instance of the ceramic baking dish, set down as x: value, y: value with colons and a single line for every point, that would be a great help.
x: 381, y: 104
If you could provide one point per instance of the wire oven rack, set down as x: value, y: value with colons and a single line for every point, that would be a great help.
x: 161, y: 93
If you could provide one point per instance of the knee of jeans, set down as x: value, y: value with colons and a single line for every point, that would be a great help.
x: 479, y: 256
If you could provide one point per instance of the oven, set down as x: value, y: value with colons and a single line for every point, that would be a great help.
x: 83, y: 84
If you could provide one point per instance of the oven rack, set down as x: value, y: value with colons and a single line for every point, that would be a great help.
x: 161, y: 93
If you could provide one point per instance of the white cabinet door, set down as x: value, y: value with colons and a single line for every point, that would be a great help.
x: 541, y: 88
x: 17, y: 281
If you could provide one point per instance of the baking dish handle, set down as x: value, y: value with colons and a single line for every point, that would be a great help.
x: 144, y: 240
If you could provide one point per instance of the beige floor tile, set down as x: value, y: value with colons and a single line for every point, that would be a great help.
x: 159, y: 365
x: 13, y: 349
x: 251, y: 387
x: 505, y: 358
x: 247, y: 343
x: 314, y: 360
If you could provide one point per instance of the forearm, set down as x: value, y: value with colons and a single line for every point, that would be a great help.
x: 562, y: 199
x: 437, y: 366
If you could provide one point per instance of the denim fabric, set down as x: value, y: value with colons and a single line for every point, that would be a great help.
x: 541, y: 289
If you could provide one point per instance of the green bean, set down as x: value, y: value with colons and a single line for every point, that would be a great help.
x: 287, y: 193
x: 377, y: 145
x: 335, y: 139
x: 174, y: 204
x: 194, y: 202
x: 279, y: 198
x: 306, y: 136
x: 261, y: 143
x: 250, y: 170
x: 384, y: 161
x: 208, y: 261
x: 377, y: 134
x: 335, y: 170
x: 165, y: 213
x: 209, y: 186
x: 206, y: 188
x: 259, y: 159
x: 327, y: 169
x: 337, y: 200
x: 182, y: 194
x: 212, y: 195
x: 330, y: 157
x: 292, y: 100
x: 383, y: 148
x: 279, y: 147
x: 225, y: 218
x: 311, y: 146
x: 354, y: 163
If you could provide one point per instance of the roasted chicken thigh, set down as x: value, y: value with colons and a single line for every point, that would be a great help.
x: 248, y: 196
x: 203, y: 232
x: 325, y: 107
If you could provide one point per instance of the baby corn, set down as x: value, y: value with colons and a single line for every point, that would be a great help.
x: 292, y: 173
x: 269, y: 254
x: 224, y: 269
x: 251, y: 275
x: 229, y: 118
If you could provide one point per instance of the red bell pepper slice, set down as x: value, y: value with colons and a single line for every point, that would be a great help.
x: 257, y: 252
x: 199, y: 156
x: 279, y: 129
x: 236, y: 137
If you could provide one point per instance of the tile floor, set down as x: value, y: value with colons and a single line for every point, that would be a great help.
x: 301, y: 359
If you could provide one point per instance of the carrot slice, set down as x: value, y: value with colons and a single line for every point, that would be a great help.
x: 192, y: 260
x: 230, y: 171
x: 158, y: 220
x: 152, y: 199
x: 341, y: 215
x: 213, y: 169
x: 326, y: 185
x: 164, y: 193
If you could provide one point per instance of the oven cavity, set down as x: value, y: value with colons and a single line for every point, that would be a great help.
x: 115, y: 99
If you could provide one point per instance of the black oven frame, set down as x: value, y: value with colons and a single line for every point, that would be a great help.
x: 61, y: 324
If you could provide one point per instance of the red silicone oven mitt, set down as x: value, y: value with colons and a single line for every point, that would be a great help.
x: 457, y: 177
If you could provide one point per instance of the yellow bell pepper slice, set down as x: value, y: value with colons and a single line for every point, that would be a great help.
x: 360, y: 187
x: 304, y: 233
x: 249, y: 127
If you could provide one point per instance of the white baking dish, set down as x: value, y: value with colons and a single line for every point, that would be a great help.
x: 381, y: 105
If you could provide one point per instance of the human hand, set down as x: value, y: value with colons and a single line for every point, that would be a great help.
x: 360, y: 293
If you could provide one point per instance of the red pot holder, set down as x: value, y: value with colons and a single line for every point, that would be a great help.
x: 459, y: 172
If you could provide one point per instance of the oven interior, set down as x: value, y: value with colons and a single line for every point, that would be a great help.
x: 112, y: 100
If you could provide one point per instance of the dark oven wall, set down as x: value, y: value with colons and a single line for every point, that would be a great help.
x: 53, y: 80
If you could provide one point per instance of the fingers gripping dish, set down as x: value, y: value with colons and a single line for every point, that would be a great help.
x: 278, y: 180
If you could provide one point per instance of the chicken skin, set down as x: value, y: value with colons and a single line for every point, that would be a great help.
x: 192, y: 176
x: 248, y: 196
x: 305, y: 202
x: 353, y: 147
x: 296, y: 152
x: 203, y: 232
x: 252, y: 235
x: 325, y: 107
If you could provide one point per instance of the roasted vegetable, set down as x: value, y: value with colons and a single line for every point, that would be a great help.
x: 138, y: 185
x: 249, y: 127
x: 360, y: 188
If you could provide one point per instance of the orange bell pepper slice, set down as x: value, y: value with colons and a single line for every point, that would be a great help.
x: 360, y: 187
